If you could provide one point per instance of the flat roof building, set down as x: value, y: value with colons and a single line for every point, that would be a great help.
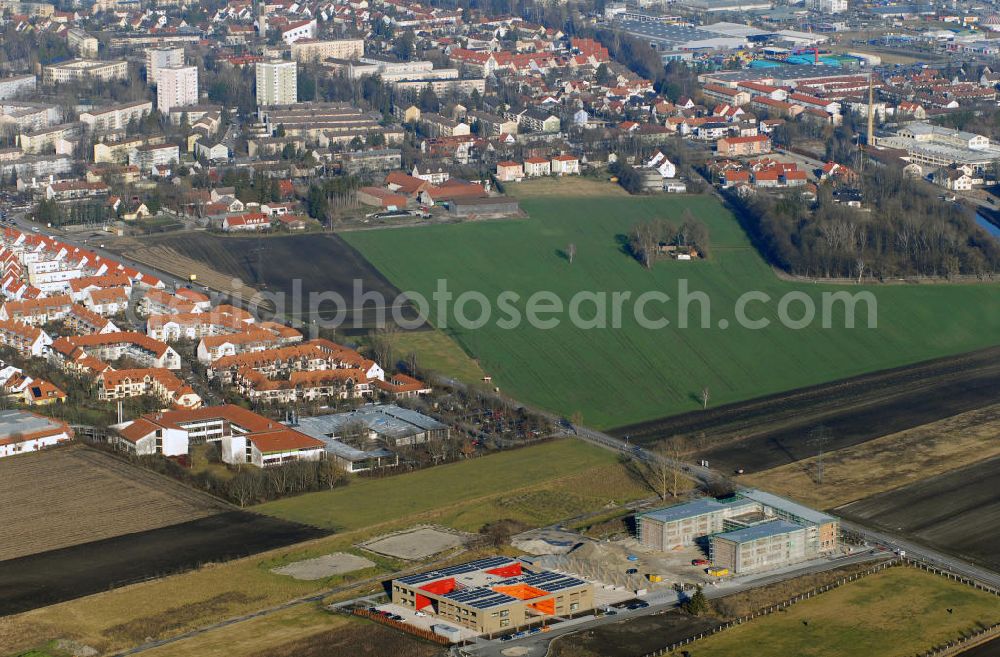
x: 730, y: 522
x: 277, y: 83
x: 21, y: 431
x: 493, y: 595
x: 759, y: 547
x: 84, y: 69
x: 940, y: 146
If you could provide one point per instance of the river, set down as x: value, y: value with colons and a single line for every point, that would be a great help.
x: 990, y: 228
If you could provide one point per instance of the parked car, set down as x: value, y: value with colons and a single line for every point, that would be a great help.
x: 699, y: 562
x: 632, y: 571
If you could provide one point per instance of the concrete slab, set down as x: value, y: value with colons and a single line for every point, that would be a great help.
x: 325, y: 566
x: 416, y: 543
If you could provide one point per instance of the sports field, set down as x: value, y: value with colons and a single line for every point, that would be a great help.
x: 538, y: 485
x: 621, y: 376
x: 900, y: 612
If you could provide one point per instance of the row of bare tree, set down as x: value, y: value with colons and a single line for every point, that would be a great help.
x: 903, y: 229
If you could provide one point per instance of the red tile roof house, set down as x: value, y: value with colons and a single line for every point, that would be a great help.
x: 28, y: 340
x: 743, y: 145
x: 37, y: 311
x: 138, y: 347
x: 160, y: 383
x: 246, y: 222
x: 537, y: 166
x: 565, y: 165
x: 245, y: 437
x: 382, y: 198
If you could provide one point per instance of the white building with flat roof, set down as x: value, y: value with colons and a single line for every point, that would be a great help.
x: 277, y: 83
x: 936, y: 145
x: 17, y: 85
x: 176, y: 87
x: 157, y: 58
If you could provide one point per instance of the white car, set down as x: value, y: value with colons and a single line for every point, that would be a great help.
x: 421, y: 614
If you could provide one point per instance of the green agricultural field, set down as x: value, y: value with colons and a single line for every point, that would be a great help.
x: 537, y: 485
x: 897, y: 613
x: 616, y: 377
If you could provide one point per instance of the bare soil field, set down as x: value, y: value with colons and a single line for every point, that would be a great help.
x: 856, y: 472
x: 957, y: 512
x: 988, y: 649
x: 629, y: 638
x: 44, y: 579
x: 72, y: 495
x: 314, y: 264
x: 775, y: 430
x: 357, y: 639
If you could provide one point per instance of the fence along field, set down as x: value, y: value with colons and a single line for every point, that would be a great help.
x: 617, y: 377
x: 72, y: 495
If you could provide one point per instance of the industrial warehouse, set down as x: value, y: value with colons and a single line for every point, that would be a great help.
x: 750, y: 532
x: 493, y: 594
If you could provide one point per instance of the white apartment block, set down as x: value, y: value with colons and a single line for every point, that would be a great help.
x: 277, y: 83
x: 20, y: 117
x: 82, y: 43
x: 84, y: 69
x: 116, y: 117
x: 153, y: 155
x: 157, y: 58
x: 827, y: 6
x: 17, y: 85
x: 311, y: 50
x: 176, y: 87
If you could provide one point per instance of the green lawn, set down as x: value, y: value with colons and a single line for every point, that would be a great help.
x: 898, y: 613
x: 537, y: 484
x: 615, y: 377
x: 436, y: 351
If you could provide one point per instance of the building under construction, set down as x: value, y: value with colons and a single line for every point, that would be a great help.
x: 748, y: 532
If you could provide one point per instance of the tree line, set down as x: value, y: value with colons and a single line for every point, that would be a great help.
x: 903, y: 229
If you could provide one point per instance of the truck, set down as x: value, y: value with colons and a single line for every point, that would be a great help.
x: 717, y: 572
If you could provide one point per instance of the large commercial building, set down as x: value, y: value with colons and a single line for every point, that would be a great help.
x: 325, y: 123
x: 84, y: 69
x: 759, y: 547
x: 312, y: 50
x: 21, y: 432
x: 176, y: 87
x: 753, y: 530
x: 939, y: 146
x: 493, y: 595
x: 277, y: 83
x: 157, y: 58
